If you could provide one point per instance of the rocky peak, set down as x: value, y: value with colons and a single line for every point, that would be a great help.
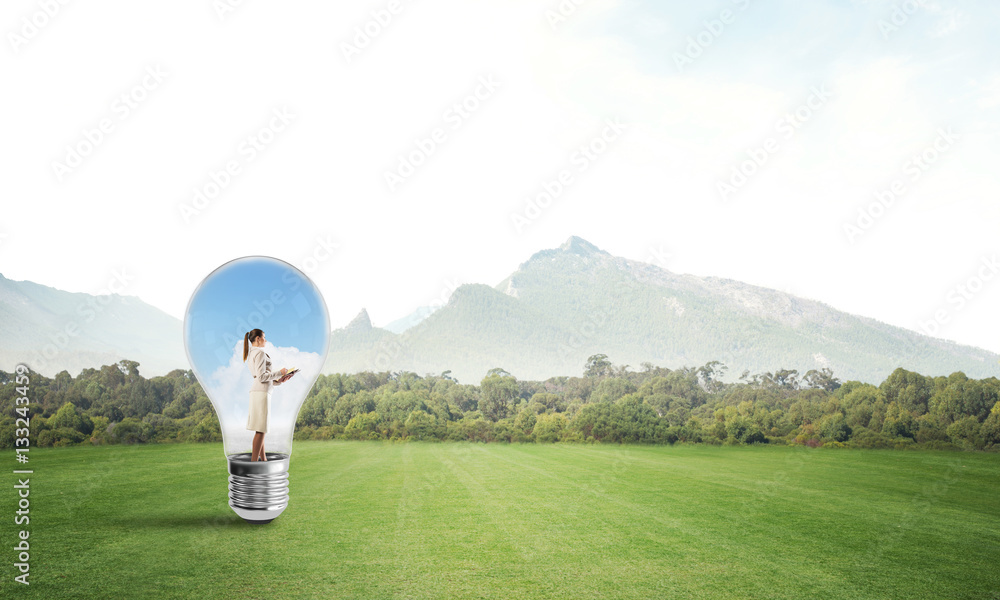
x: 360, y: 322
x: 580, y: 246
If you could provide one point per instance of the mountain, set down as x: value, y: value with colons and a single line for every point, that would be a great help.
x: 566, y: 304
x: 52, y: 330
x: 358, y: 347
x: 558, y: 308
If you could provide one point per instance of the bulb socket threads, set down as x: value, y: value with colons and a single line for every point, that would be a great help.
x: 258, y: 490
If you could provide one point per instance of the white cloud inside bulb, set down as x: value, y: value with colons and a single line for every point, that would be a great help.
x: 229, y: 389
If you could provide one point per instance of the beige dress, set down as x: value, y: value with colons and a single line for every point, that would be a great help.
x: 260, y: 407
x: 260, y: 390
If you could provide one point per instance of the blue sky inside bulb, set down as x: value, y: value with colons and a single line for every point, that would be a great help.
x: 269, y: 294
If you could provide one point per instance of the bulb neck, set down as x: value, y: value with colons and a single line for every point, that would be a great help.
x: 258, y: 490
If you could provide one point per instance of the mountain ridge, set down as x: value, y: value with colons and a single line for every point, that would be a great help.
x: 544, y: 319
x: 581, y: 299
x: 52, y: 330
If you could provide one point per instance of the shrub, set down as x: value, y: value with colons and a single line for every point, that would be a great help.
x: 551, y: 428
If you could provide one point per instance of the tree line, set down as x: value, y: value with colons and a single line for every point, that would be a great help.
x: 607, y: 404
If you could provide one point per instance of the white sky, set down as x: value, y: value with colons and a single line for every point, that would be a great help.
x: 652, y: 193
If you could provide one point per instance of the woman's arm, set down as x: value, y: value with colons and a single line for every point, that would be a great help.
x: 260, y: 368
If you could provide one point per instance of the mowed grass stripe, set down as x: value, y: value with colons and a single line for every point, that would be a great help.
x: 381, y: 520
x: 825, y: 516
x: 507, y: 551
x: 666, y: 516
x: 615, y: 539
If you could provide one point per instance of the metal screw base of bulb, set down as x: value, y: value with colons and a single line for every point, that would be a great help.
x: 258, y: 490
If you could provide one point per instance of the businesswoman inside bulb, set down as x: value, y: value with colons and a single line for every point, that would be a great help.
x: 260, y: 390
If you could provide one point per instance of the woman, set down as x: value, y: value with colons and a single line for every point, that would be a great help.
x: 260, y: 389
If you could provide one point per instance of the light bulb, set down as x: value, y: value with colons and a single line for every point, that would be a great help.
x: 256, y: 292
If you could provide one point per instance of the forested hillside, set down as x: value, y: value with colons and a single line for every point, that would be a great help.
x: 565, y: 304
x: 607, y: 404
x: 54, y: 330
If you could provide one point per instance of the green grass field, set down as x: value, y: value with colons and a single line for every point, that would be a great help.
x: 380, y: 520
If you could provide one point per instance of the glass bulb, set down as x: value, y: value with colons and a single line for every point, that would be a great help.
x: 256, y: 292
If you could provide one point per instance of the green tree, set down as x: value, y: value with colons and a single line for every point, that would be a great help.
x: 132, y: 431
x: 420, y: 425
x: 967, y: 433
x: 549, y: 428
x: 711, y: 375
x: 549, y: 401
x: 498, y: 395
x: 898, y: 422
x: 822, y: 379
x: 68, y: 417
x: 834, y: 427
x: 910, y: 390
x: 524, y: 423
x: 860, y: 402
x: 743, y: 430
x: 991, y: 427
x: 207, y: 430
x: 597, y: 365
x: 611, y: 389
x: 362, y: 427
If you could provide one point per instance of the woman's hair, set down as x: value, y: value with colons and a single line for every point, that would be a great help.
x: 249, y: 338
